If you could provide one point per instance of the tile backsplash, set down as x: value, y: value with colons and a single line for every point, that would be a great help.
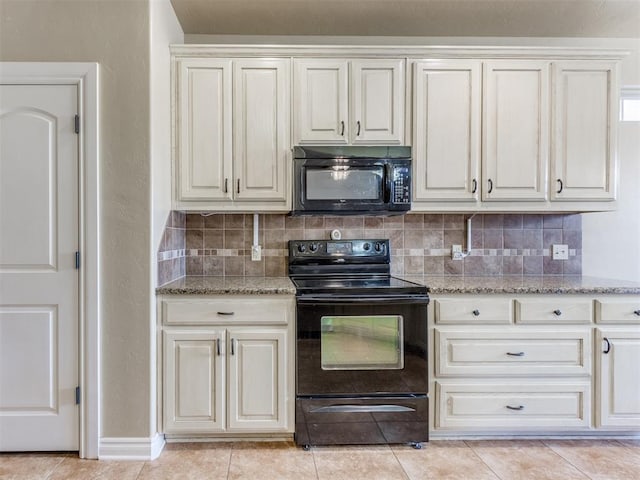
x: 518, y: 244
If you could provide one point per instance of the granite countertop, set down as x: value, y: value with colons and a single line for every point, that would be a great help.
x: 517, y: 284
x: 228, y: 285
x: 509, y: 284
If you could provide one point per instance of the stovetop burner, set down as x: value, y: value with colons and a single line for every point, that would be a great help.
x: 346, y: 267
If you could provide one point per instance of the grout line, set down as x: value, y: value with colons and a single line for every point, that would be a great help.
x: 406, y: 474
x: 315, y: 465
x: 229, y: 463
x: 544, y: 442
x: 482, y: 460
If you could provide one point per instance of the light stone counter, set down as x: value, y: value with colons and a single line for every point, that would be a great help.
x: 517, y: 284
x: 228, y: 285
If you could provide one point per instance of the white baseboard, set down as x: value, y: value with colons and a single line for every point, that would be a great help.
x: 129, y: 448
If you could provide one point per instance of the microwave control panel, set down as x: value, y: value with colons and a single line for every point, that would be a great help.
x: 401, y: 189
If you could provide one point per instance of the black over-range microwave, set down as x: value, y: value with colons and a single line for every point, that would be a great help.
x: 351, y: 180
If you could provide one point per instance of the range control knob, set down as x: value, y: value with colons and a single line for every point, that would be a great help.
x: 302, y: 248
x: 378, y: 247
x: 366, y: 247
x: 313, y: 247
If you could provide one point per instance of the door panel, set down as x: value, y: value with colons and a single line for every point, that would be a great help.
x: 194, y: 381
x: 515, y: 130
x: 447, y: 130
x: 377, y: 93
x: 261, y: 129
x: 585, y: 119
x: 321, y: 104
x: 38, y: 278
x: 204, y: 123
x: 257, y: 379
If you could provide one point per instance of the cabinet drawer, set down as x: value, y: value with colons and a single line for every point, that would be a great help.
x: 618, y: 310
x: 236, y: 310
x: 488, y: 352
x: 522, y: 405
x: 553, y: 310
x: 473, y: 310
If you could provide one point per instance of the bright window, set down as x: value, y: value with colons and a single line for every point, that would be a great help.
x: 630, y: 104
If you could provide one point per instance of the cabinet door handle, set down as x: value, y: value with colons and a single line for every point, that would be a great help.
x: 608, y: 349
x: 557, y: 313
x: 233, y: 350
x: 218, y: 346
x: 637, y: 312
x: 490, y: 186
x: 476, y: 313
x: 519, y: 407
x: 474, y: 182
x: 561, y: 186
x: 238, y: 186
x: 226, y: 185
x: 342, y: 128
x: 515, y: 354
x: 358, y: 125
x: 226, y: 313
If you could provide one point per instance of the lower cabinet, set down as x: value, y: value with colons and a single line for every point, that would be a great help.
x: 228, y: 378
x: 535, y: 364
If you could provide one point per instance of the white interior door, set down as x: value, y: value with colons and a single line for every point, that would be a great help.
x: 38, y: 276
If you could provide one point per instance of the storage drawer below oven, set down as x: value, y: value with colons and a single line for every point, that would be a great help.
x: 513, y: 406
x: 357, y: 421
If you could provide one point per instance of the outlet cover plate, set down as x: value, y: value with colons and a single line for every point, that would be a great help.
x: 560, y: 252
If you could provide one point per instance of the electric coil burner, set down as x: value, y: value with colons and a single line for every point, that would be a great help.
x: 361, y: 346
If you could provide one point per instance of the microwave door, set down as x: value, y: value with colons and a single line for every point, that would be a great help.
x: 344, y: 185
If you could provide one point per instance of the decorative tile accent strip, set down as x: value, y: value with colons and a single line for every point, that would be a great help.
x: 501, y: 244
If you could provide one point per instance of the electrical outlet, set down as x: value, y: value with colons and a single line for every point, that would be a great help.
x: 456, y: 252
x: 560, y: 252
x: 256, y: 253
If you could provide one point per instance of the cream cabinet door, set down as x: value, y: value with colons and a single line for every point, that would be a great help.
x: 321, y: 101
x: 515, y: 130
x: 193, y: 381
x: 585, y: 111
x: 257, y: 379
x: 618, y: 374
x: 377, y: 100
x: 446, y: 139
x: 203, y: 122
x: 261, y: 125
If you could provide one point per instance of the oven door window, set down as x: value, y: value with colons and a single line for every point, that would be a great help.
x: 344, y: 183
x: 362, y: 342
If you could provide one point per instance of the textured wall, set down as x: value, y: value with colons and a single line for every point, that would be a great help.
x: 115, y: 34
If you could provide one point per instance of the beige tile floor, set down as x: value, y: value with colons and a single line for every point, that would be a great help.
x: 439, y: 460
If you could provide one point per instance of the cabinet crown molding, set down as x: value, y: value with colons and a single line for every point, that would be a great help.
x: 409, y: 51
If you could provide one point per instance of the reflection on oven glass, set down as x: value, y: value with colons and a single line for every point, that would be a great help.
x: 362, y: 342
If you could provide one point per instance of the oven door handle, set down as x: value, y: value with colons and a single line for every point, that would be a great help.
x: 334, y: 299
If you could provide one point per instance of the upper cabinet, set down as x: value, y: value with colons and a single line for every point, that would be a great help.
x: 514, y: 135
x: 339, y: 101
x: 491, y: 129
x: 446, y: 120
x: 232, y: 121
x: 515, y: 130
x: 585, y: 113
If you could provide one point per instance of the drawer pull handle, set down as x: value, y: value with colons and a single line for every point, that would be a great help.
x: 226, y: 313
x: 233, y: 350
x: 519, y: 407
x: 218, y: 346
x: 557, y: 313
x: 476, y: 313
x: 637, y: 312
x: 608, y: 349
x: 516, y: 354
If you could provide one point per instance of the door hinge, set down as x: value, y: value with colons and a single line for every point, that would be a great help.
x: 77, y: 260
x: 77, y: 124
x: 78, y: 395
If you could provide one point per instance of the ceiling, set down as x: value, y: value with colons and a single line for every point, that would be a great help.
x: 451, y: 18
